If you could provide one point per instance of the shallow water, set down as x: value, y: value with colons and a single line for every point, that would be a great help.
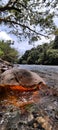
x: 41, y: 68
x: 48, y: 73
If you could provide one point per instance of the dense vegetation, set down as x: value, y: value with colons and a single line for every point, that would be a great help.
x: 7, y: 53
x: 46, y: 54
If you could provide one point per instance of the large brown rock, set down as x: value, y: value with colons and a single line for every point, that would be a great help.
x: 16, y: 76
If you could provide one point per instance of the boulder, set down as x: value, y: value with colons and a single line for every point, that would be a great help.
x: 16, y: 76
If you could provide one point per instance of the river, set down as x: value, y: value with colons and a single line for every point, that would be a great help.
x: 48, y: 73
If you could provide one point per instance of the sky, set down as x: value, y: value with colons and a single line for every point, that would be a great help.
x: 22, y: 46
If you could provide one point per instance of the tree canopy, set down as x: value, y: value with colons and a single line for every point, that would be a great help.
x: 29, y: 18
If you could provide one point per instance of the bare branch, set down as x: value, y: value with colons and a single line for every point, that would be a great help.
x: 22, y: 25
x: 10, y: 6
x: 2, y: 9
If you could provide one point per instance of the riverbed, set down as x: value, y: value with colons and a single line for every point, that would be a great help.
x: 33, y: 110
x: 48, y: 73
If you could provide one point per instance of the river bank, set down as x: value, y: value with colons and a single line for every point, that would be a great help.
x: 40, y: 108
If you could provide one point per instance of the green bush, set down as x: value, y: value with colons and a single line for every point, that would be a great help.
x: 7, y: 53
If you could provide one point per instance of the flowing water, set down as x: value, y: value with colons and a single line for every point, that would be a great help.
x: 48, y: 73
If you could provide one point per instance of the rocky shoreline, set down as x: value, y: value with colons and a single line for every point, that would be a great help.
x: 4, y: 65
x: 40, y: 111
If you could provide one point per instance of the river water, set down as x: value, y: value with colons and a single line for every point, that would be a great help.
x: 48, y: 73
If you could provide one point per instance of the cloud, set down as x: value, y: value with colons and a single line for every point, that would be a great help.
x: 22, y: 46
x: 4, y: 36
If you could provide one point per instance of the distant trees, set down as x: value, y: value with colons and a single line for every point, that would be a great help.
x: 7, y: 53
x: 52, y: 55
x: 46, y: 54
x: 55, y: 44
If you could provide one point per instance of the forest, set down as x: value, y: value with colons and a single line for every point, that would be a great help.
x: 45, y: 54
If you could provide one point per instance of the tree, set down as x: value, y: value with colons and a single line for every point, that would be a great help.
x: 52, y: 56
x: 55, y: 44
x: 29, y: 17
x: 32, y: 57
x: 43, y: 54
x: 7, y: 53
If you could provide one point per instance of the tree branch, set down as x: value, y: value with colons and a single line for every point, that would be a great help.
x: 2, y: 9
x: 22, y: 25
x: 8, y: 6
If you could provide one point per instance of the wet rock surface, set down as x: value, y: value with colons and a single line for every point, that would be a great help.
x: 16, y: 76
x: 31, y: 110
x: 34, y: 118
x: 37, y: 110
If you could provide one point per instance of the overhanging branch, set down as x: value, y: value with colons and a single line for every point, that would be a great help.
x: 22, y: 25
x: 8, y: 8
x: 11, y: 6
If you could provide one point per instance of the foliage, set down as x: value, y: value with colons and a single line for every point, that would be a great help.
x: 55, y: 44
x: 7, y: 53
x: 46, y: 54
x: 29, y: 17
x: 52, y: 56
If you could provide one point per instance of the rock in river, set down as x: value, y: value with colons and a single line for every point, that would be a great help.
x: 16, y: 76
